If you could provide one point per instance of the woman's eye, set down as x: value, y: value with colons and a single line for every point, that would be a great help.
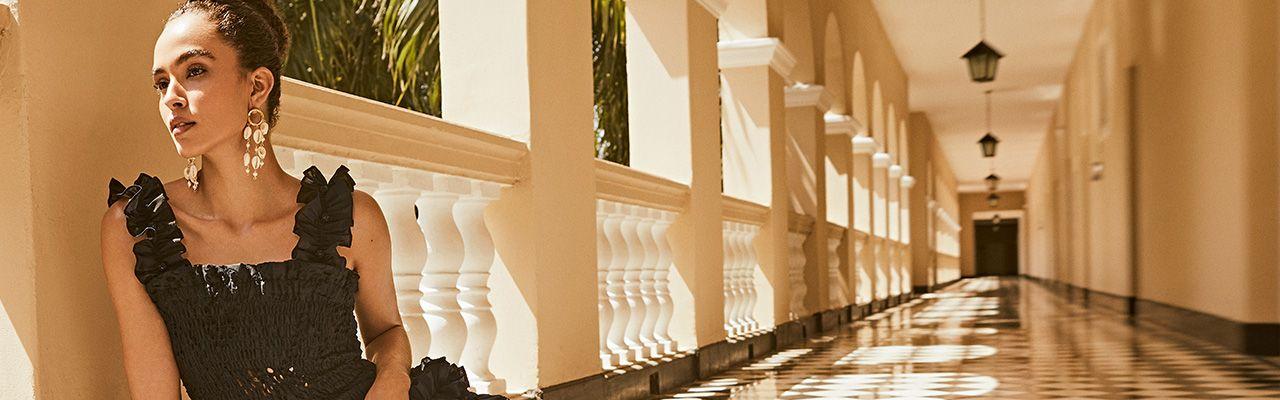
x: 195, y: 71
x: 161, y: 85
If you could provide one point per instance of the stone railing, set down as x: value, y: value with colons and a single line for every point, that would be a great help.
x: 634, y: 211
x: 433, y: 181
x: 801, y: 226
x: 860, y: 241
x: 837, y: 285
x: 742, y: 223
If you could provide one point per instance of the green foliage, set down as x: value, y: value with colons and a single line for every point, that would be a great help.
x: 609, y: 71
x: 386, y: 50
x: 389, y: 50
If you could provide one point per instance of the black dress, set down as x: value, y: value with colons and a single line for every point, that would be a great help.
x: 273, y: 330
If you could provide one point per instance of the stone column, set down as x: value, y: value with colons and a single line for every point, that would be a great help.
x: 522, y: 69
x: 672, y: 76
x: 754, y: 66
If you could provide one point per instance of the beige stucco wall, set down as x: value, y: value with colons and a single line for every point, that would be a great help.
x: 18, y: 344
x: 1204, y: 146
x: 86, y: 113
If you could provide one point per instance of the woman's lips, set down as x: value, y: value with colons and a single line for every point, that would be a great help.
x: 182, y: 128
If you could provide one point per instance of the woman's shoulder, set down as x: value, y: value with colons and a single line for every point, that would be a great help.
x: 128, y: 204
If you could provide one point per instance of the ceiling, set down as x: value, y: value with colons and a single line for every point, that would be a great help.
x: 1038, y: 39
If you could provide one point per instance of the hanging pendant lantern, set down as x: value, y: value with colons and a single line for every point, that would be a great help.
x: 982, y: 58
x: 993, y: 180
x: 993, y: 200
x: 989, y: 143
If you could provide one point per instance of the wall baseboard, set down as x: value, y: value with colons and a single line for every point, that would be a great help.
x: 1260, y: 339
x: 673, y: 372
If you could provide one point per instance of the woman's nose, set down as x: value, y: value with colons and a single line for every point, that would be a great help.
x: 172, y: 99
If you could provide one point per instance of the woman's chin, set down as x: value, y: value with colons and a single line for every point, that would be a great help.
x: 187, y: 151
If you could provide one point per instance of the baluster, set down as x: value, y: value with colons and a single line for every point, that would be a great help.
x: 892, y: 254
x: 795, y: 271
x: 749, y: 233
x: 301, y: 161
x: 408, y: 255
x: 741, y: 264
x: 739, y: 258
x: 442, y: 270
x: 837, y: 287
x: 882, y: 276
x: 286, y: 158
x: 604, y: 256
x: 631, y: 281
x: 648, y: 266
x: 477, y: 264
x: 741, y: 275
x: 615, y: 285
x: 863, y: 290
x: 662, y: 282
x: 730, y: 323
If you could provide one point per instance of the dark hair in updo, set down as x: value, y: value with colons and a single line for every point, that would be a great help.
x: 255, y: 30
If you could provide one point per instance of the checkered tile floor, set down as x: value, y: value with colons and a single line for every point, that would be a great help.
x: 997, y: 339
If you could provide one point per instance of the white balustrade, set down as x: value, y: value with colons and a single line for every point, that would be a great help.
x: 730, y: 280
x: 604, y: 258
x: 477, y: 264
x: 615, y: 285
x: 749, y: 233
x: 634, y: 295
x: 799, y: 228
x: 740, y: 286
x: 631, y: 281
x: 662, y: 282
x: 862, y: 291
x: 795, y: 273
x: 441, y: 258
x: 838, y: 287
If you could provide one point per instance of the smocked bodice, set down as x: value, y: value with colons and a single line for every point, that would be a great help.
x: 275, y: 330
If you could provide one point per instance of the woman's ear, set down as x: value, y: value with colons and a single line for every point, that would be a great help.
x: 261, y: 82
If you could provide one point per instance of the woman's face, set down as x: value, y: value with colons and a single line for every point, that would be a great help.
x: 198, y: 79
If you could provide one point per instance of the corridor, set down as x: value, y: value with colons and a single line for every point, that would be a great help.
x: 997, y: 338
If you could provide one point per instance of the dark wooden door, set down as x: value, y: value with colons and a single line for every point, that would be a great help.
x: 996, y: 247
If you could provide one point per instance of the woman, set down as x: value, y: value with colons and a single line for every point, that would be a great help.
x: 211, y: 288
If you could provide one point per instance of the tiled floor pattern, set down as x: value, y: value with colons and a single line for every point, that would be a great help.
x: 997, y: 339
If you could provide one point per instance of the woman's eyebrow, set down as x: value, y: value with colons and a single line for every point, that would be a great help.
x: 186, y: 56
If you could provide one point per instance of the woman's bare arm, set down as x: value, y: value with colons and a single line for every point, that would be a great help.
x: 148, y: 356
x: 386, y: 342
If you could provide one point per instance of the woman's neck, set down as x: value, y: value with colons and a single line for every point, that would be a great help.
x: 229, y: 194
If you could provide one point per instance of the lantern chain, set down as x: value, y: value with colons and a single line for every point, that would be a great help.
x: 982, y: 18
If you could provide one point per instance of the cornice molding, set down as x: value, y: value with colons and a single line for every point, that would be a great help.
x: 756, y: 52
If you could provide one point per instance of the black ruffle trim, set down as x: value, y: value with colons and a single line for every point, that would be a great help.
x: 325, y: 220
x: 148, y: 213
x: 437, y: 379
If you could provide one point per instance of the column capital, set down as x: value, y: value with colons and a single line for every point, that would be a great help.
x: 880, y: 160
x: 895, y: 171
x: 908, y: 181
x: 864, y: 145
x: 843, y: 124
x: 808, y: 95
x: 756, y: 52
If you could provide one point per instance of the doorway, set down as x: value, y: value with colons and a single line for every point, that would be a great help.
x: 996, y: 247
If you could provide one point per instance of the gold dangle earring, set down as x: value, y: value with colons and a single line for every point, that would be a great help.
x: 257, y: 131
x: 190, y: 173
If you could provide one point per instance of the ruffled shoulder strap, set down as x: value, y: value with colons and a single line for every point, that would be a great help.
x: 325, y: 219
x: 147, y: 212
